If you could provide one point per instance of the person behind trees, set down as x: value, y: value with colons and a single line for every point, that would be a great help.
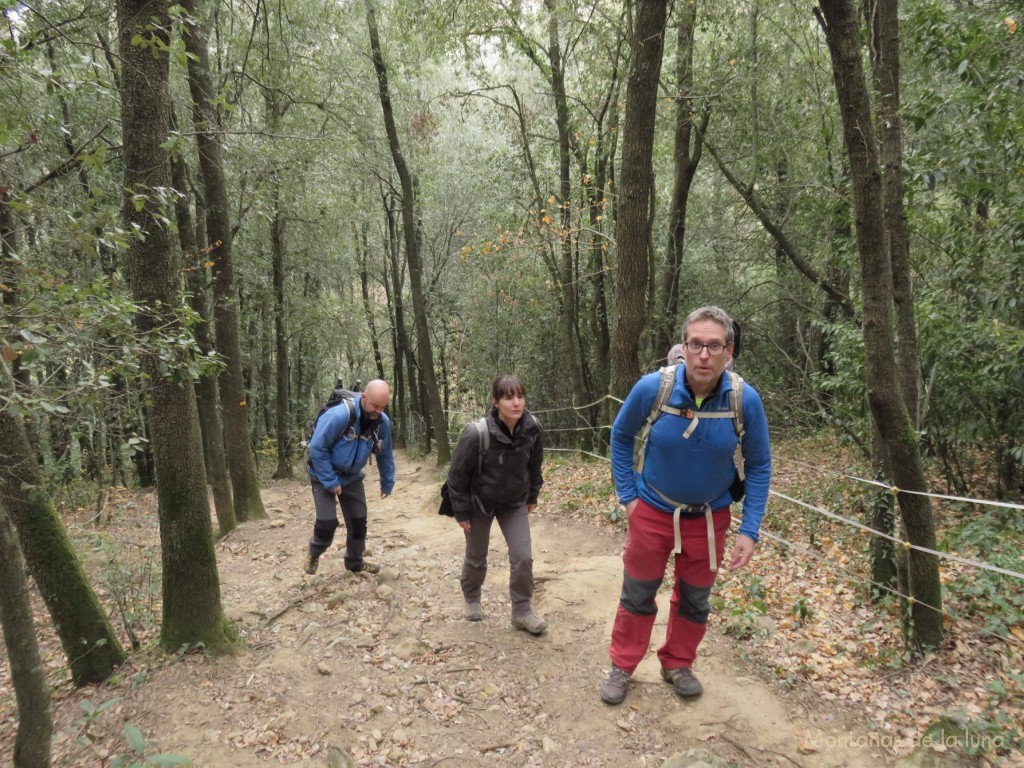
x: 679, y: 501
x: 503, y: 483
x: 338, y: 451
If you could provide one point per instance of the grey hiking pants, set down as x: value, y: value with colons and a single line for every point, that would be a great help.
x: 515, y: 527
x: 353, y: 509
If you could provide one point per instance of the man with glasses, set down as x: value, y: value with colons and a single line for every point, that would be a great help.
x: 678, y: 501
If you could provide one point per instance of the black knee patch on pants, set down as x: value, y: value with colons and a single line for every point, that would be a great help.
x: 693, y: 602
x: 323, y: 531
x: 358, y: 529
x: 638, y: 595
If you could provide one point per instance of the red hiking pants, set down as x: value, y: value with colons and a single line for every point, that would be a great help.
x: 649, y: 542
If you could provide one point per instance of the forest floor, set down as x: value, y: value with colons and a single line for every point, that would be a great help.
x: 342, y: 669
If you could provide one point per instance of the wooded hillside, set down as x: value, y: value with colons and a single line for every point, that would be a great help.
x: 211, y: 212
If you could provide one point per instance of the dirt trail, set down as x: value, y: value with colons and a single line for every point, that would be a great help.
x: 385, y: 668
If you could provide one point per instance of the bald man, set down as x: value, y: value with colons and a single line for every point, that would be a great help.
x: 338, y: 451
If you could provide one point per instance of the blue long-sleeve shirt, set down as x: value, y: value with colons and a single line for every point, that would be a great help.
x: 697, y: 469
x: 337, y: 456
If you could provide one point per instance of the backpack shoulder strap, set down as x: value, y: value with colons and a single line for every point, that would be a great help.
x: 736, y: 405
x: 483, y: 435
x: 350, y: 403
x: 665, y: 385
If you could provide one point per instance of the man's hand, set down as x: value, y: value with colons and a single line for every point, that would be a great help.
x: 742, y: 551
x: 631, y: 506
x: 384, y: 495
x: 530, y: 507
x: 337, y: 491
x: 464, y: 525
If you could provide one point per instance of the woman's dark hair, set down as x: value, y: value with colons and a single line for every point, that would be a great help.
x: 509, y: 384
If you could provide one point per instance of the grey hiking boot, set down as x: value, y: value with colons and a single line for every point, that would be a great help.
x: 615, y: 686
x: 530, y: 622
x: 312, y: 563
x: 474, y: 612
x: 684, y: 682
x: 369, y: 568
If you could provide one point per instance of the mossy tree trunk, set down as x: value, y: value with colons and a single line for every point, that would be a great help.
x: 192, y: 610
x: 886, y: 399
x: 207, y: 396
x: 35, y: 723
x: 241, y: 462
x: 87, y: 637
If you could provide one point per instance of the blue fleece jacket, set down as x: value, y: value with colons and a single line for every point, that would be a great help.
x: 698, y: 469
x: 337, y: 456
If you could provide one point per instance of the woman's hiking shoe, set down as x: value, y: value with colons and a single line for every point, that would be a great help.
x: 312, y: 563
x: 474, y: 612
x: 615, y: 686
x: 684, y: 682
x: 530, y: 622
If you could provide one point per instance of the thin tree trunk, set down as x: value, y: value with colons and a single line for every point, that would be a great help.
x: 688, y: 149
x: 206, y: 386
x: 191, y: 588
x: 31, y: 691
x: 569, y: 286
x: 362, y: 246
x: 883, y: 25
x: 241, y: 463
x: 888, y: 407
x: 407, y: 386
x: 636, y: 182
x: 412, y: 253
x: 282, y: 367
x: 89, y: 641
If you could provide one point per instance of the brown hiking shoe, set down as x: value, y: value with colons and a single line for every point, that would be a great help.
x: 684, y: 682
x: 615, y: 686
x: 474, y: 612
x: 369, y: 568
x: 312, y: 563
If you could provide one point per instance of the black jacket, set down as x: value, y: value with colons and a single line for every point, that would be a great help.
x: 510, y: 473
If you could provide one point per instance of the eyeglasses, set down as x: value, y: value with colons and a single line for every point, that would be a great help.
x: 714, y: 348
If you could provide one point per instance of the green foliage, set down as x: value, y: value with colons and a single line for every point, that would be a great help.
x: 742, y: 620
x: 996, y: 537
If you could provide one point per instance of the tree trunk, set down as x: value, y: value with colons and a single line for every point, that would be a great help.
x: 568, y: 285
x: 35, y: 724
x: 688, y: 148
x: 89, y: 641
x: 244, y: 479
x: 283, y: 367
x: 412, y: 253
x: 191, y: 589
x: 362, y: 246
x: 206, y: 386
x: 883, y: 25
x: 406, y: 386
x: 636, y: 183
x: 888, y: 407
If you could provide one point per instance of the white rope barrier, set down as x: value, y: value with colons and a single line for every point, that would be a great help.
x: 895, y: 491
x: 904, y: 544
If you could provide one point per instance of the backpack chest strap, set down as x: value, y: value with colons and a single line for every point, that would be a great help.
x: 696, y: 416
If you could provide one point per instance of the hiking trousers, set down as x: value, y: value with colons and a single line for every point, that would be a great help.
x: 649, y: 542
x: 515, y: 527
x: 353, y: 510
